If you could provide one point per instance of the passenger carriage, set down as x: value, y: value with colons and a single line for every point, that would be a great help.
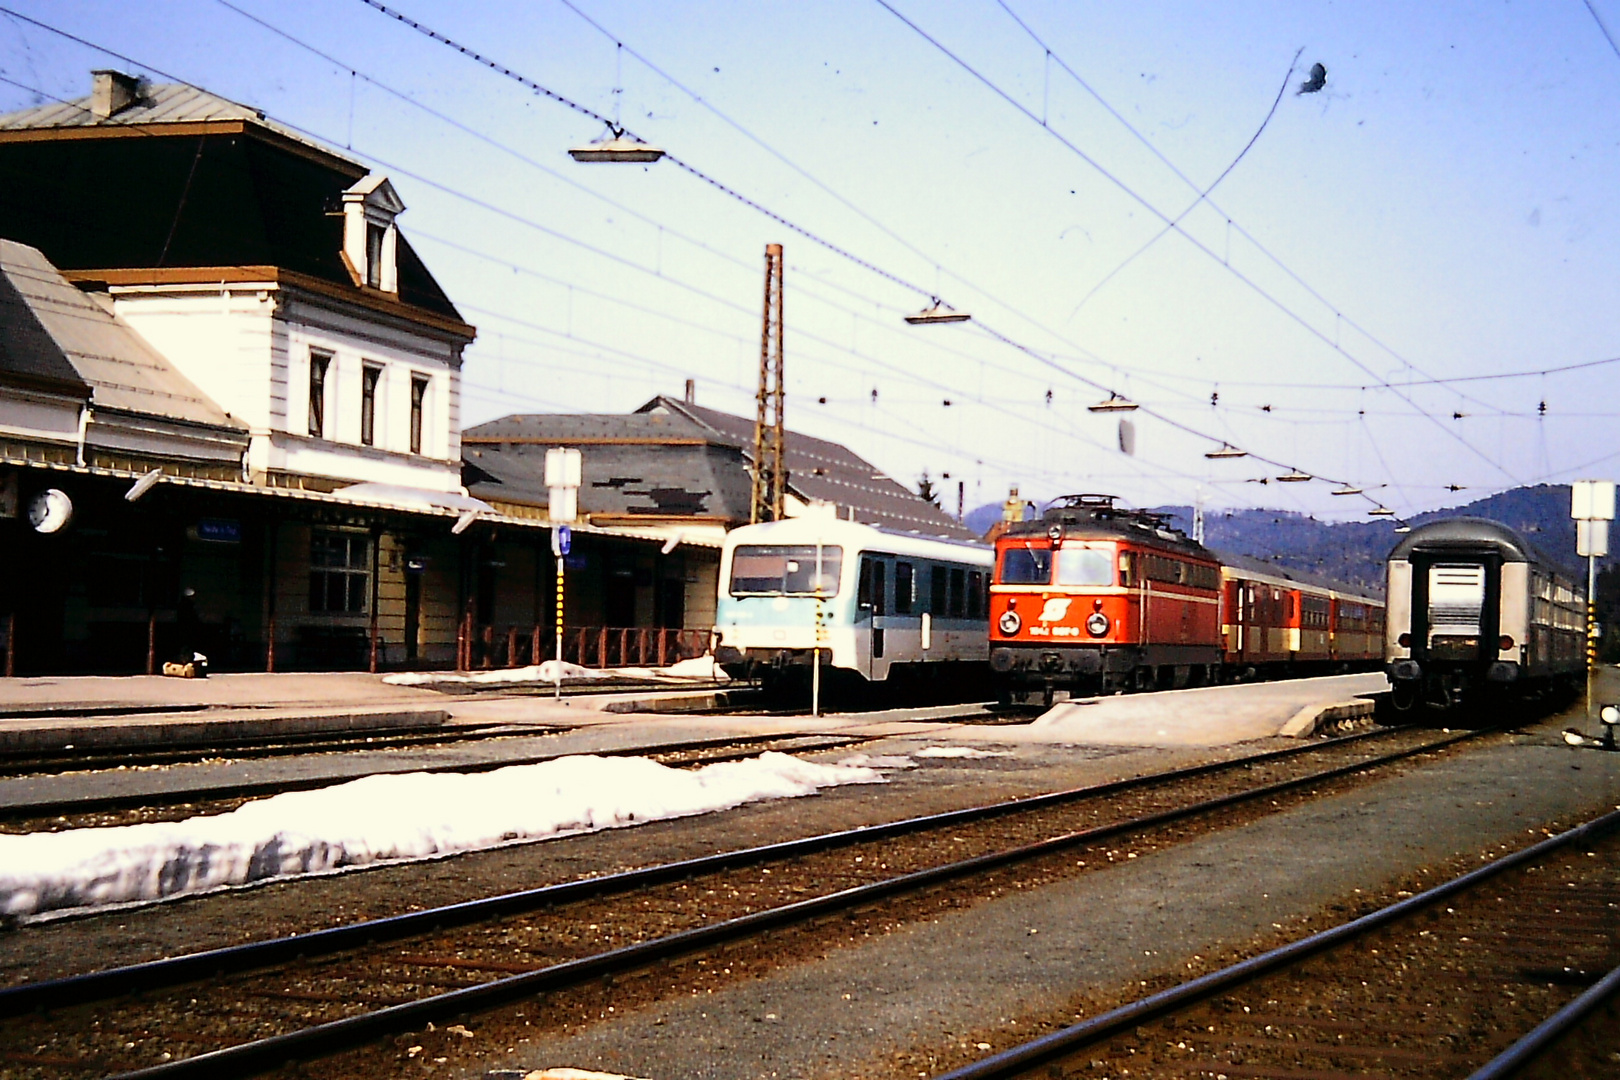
x: 879, y: 605
x: 1094, y: 598
x: 1474, y: 608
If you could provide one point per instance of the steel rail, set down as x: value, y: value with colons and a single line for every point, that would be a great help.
x: 251, y: 788
x: 330, y: 1037
x: 1021, y: 1058
x: 1541, y: 1037
x: 155, y: 974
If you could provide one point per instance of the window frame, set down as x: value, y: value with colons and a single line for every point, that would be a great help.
x: 345, y: 575
x: 320, y: 369
x: 420, y: 385
x: 371, y: 375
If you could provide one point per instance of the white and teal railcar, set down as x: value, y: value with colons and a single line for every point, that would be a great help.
x: 879, y: 605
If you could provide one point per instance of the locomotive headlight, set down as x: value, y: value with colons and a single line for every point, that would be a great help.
x: 1096, y: 624
x: 1505, y: 642
x: 1404, y: 641
x: 1009, y: 623
x: 1610, y: 715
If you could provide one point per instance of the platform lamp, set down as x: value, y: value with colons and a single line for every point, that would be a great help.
x: 940, y: 312
x: 617, y: 145
x: 563, y: 472
x: 1610, y: 715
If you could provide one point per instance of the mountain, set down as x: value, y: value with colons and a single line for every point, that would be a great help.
x: 1354, y: 551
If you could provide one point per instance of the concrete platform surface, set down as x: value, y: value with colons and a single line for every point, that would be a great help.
x: 1205, y: 716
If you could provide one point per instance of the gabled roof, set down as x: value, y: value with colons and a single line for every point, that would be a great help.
x: 185, y: 180
x: 634, y: 466
x: 826, y: 471
x: 115, y: 366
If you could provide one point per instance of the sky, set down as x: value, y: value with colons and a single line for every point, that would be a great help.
x: 1442, y: 208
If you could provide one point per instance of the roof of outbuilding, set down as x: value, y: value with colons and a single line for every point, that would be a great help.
x: 829, y: 472
x: 118, y: 369
x: 673, y: 457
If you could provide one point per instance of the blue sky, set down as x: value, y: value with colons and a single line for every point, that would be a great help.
x: 1443, y: 208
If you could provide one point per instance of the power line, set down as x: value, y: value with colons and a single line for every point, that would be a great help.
x: 1147, y: 205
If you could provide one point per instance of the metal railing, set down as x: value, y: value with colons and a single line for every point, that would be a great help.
x: 487, y: 646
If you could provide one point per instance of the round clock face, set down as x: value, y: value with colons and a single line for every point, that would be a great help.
x: 49, y: 511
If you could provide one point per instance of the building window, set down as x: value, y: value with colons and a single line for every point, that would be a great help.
x: 374, y: 254
x: 370, y: 375
x: 318, y: 365
x: 419, y: 388
x: 339, y: 572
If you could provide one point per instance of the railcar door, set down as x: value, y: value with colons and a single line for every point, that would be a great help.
x: 871, y: 617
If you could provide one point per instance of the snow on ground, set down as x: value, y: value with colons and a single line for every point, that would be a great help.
x: 383, y: 819
x: 958, y: 752
x: 877, y: 761
x: 698, y: 667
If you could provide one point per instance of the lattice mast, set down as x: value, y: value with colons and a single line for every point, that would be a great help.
x: 770, y: 473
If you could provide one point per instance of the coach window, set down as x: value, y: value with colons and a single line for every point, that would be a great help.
x: 958, y: 592
x: 1084, y: 566
x: 1026, y: 566
x: 873, y: 592
x: 905, y: 588
x: 975, y: 596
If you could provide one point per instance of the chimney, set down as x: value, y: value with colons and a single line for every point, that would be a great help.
x: 691, y: 391
x: 111, y: 92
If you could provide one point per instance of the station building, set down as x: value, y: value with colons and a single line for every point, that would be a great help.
x: 230, y: 422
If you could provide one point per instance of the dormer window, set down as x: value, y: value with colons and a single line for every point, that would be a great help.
x: 375, y: 235
x: 370, y: 238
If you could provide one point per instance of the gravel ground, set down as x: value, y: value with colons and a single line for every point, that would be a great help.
x: 923, y: 997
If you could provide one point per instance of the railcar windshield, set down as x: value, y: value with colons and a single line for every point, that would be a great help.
x: 785, y: 569
x: 1085, y: 566
x: 1026, y: 566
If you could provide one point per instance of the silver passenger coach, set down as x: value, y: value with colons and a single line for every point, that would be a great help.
x: 880, y: 605
x: 1476, y: 612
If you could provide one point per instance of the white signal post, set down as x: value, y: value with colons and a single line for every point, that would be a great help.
x: 563, y: 472
x: 821, y: 636
x: 1591, y: 504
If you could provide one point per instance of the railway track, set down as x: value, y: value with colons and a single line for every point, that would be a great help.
x: 1439, y: 984
x: 246, y: 1009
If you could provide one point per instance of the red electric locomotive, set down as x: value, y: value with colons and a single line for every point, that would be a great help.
x: 1093, y: 598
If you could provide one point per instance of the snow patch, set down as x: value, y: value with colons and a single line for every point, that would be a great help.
x: 544, y: 673
x: 381, y: 819
x: 958, y: 752
x: 877, y: 761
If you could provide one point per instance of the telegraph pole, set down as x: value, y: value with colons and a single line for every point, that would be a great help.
x: 770, y: 474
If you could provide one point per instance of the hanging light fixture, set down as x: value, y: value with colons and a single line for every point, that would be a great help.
x: 1381, y: 511
x: 1345, y: 490
x: 941, y: 312
x: 1403, y: 527
x: 1227, y: 450
x: 617, y: 145
x: 1114, y: 403
x: 1293, y: 476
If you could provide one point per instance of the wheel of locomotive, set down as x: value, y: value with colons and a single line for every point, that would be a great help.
x: 1144, y: 678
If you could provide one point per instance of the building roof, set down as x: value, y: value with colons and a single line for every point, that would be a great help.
x: 674, y: 458
x: 181, y: 178
x: 634, y: 466
x: 115, y: 366
x: 827, y: 472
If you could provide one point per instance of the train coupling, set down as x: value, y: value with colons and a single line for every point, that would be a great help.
x: 1405, y: 671
x: 1502, y: 671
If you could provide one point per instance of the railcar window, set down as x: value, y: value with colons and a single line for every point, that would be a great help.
x: 1026, y: 566
x: 905, y: 588
x: 784, y: 570
x: 1127, y: 568
x: 958, y: 592
x: 975, y: 596
x: 1084, y: 566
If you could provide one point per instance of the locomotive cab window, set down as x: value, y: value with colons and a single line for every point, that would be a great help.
x: 785, y: 570
x: 1084, y: 566
x: 1026, y: 566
